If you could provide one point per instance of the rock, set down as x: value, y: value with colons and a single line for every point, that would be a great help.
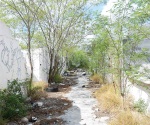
x: 48, y: 89
x: 97, y: 109
x: 61, y: 84
x: 49, y: 117
x: 103, y: 119
x: 83, y: 86
x: 65, y: 104
x: 32, y: 119
x: 42, y: 98
x: 54, y: 89
x: 53, y: 83
x: 28, y: 99
x: 38, y: 104
x: 84, y: 73
x: 24, y: 120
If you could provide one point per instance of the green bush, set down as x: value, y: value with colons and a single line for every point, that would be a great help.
x: 140, y: 106
x: 58, y: 78
x: 78, y: 59
x: 12, y: 103
x: 12, y: 106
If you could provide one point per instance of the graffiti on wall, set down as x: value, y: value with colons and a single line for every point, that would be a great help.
x: 9, y: 56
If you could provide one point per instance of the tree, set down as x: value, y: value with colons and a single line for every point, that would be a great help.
x: 124, y: 33
x: 19, y: 9
x: 62, y: 23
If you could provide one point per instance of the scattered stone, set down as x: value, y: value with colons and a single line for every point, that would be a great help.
x: 49, y: 117
x: 32, y: 119
x: 42, y: 98
x: 96, y: 109
x: 53, y: 83
x: 54, y: 89
x: 28, y: 99
x: 48, y: 89
x: 103, y: 119
x: 40, y: 104
x: 65, y: 104
x: 84, y: 73
x: 37, y: 104
x: 30, y: 124
x: 83, y: 86
x: 24, y: 120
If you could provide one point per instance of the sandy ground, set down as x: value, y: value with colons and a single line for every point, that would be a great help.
x: 82, y: 113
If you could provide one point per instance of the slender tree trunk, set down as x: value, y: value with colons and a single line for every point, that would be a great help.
x: 30, y: 59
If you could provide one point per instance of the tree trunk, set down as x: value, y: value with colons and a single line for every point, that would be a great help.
x: 30, y: 59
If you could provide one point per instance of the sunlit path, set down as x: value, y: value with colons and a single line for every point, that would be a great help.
x: 81, y: 113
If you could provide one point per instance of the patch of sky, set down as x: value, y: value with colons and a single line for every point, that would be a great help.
x: 95, y: 7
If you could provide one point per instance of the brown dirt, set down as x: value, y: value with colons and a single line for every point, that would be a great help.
x: 54, y: 105
x: 54, y: 121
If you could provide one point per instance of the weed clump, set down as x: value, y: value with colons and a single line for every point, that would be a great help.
x: 97, y: 79
x: 130, y: 118
x: 140, y: 106
x: 109, y: 98
x: 38, y: 90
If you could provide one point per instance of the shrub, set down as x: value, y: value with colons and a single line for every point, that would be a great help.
x: 140, y: 106
x: 12, y: 103
x: 12, y: 106
x: 14, y: 87
x: 58, y: 78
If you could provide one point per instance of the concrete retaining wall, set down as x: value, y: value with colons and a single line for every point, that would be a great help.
x: 12, y: 62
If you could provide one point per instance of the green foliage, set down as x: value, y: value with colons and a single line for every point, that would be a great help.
x: 12, y: 106
x: 12, y: 102
x: 14, y: 87
x: 78, y: 59
x: 58, y: 78
x: 23, y: 46
x: 140, y: 106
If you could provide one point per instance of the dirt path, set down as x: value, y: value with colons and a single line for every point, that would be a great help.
x: 81, y: 112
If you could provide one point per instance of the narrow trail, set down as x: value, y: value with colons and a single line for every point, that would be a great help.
x: 81, y: 113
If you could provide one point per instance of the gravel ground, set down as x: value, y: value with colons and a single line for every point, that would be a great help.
x: 82, y: 113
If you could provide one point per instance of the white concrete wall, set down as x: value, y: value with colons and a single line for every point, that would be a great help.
x: 12, y: 63
x: 40, y: 64
x: 139, y: 93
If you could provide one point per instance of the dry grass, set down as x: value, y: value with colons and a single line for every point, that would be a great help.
x: 130, y: 118
x: 40, y: 84
x: 109, y: 100
x: 97, y: 79
x: 37, y: 90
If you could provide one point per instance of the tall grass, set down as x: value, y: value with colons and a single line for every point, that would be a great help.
x: 108, y: 98
x: 130, y: 118
x: 97, y: 79
x: 123, y: 114
x: 37, y: 90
